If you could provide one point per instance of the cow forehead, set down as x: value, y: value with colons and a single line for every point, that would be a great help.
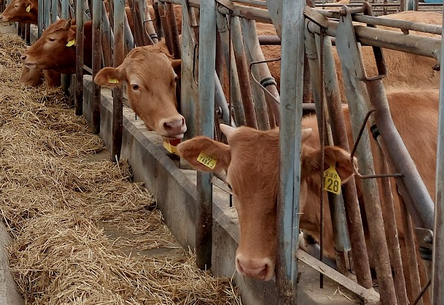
x: 148, y: 65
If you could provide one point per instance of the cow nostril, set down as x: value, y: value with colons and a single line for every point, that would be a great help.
x: 23, y: 57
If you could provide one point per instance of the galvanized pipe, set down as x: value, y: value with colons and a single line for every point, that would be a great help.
x: 242, y: 70
x: 290, y: 146
x: 438, y: 242
x: 157, y: 18
x: 420, y: 45
x: 96, y: 63
x: 41, y: 18
x: 172, y: 25
x: 47, y: 14
x: 54, y: 10
x: 78, y: 98
x: 65, y: 79
x: 205, y: 117
x: 119, y: 55
x: 107, y: 39
x: 147, y: 23
x: 423, y: 211
x: 129, y: 38
x: 222, y: 102
x: 269, y: 40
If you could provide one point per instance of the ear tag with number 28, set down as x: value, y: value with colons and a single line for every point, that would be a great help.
x: 206, y: 160
x: 332, y: 181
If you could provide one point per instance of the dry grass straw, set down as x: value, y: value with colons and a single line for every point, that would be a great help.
x: 55, y: 200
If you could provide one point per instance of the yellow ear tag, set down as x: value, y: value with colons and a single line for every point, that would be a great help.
x: 171, y: 148
x: 28, y: 8
x: 113, y: 81
x: 332, y: 181
x: 71, y: 43
x: 206, y: 160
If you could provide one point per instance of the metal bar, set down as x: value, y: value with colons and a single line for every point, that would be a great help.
x: 157, y: 19
x: 205, y: 114
x: 147, y: 22
x: 420, y: 45
x: 65, y: 79
x: 107, y: 39
x: 409, y: 239
x: 251, y: 45
x: 222, y: 102
x: 78, y: 99
x: 292, y: 22
x: 172, y: 25
x: 370, y: 296
x: 438, y: 242
x: 54, y: 10
x: 189, y: 86
x: 96, y: 63
x: 339, y: 133
x: 392, y: 232
x: 41, y: 18
x: 355, y: 93
x: 269, y: 40
x: 64, y: 9
x: 119, y: 54
x: 242, y: 70
x: 47, y: 14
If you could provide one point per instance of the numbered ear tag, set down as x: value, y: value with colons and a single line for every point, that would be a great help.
x: 28, y: 8
x: 71, y: 43
x: 206, y: 160
x: 171, y: 148
x: 332, y: 181
x: 113, y: 81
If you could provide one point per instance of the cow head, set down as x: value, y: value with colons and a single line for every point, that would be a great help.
x: 150, y: 76
x: 251, y: 160
x: 55, y: 49
x: 25, y: 11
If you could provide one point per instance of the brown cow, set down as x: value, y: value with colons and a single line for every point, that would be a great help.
x: 150, y: 75
x: 252, y: 164
x: 34, y: 77
x: 25, y: 11
x: 56, y: 48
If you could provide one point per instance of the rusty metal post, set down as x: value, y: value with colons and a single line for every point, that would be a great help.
x: 174, y: 33
x: 334, y: 105
x: 147, y: 22
x: 357, y: 99
x: 157, y: 18
x: 410, y: 246
x: 96, y: 63
x: 107, y: 39
x: 119, y: 54
x: 251, y: 45
x: 391, y: 229
x: 78, y: 98
x: 65, y: 79
x: 242, y: 70
x: 205, y: 115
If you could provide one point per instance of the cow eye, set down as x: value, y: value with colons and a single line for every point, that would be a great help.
x: 135, y: 87
x: 51, y: 39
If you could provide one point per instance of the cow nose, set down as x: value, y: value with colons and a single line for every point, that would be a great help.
x: 259, y: 268
x: 23, y: 57
x: 175, y: 126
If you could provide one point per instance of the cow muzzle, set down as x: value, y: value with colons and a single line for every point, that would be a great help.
x: 258, y: 268
x: 173, y: 128
x: 27, y: 63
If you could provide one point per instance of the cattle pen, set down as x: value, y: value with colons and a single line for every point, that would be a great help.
x: 268, y: 64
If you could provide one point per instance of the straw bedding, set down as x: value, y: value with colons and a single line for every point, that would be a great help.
x: 58, y: 201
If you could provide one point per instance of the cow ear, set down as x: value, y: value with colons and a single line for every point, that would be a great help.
x: 176, y: 64
x: 109, y: 77
x: 67, y: 25
x: 341, y: 159
x: 205, y: 154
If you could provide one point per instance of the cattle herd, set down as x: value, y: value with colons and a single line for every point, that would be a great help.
x: 250, y: 158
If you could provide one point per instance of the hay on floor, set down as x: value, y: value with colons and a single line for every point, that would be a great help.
x: 55, y: 200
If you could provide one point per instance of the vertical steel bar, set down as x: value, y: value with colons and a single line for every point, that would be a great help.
x: 47, y: 14
x: 119, y: 54
x: 54, y: 10
x: 388, y: 209
x: 189, y: 87
x: 78, y: 99
x: 412, y: 263
x: 147, y: 22
x: 205, y: 113
x: 251, y: 44
x: 96, y: 63
x: 157, y: 18
x: 172, y: 25
x: 41, y: 17
x: 107, y: 39
x: 438, y: 241
x: 65, y: 79
x: 290, y: 146
x: 242, y: 70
